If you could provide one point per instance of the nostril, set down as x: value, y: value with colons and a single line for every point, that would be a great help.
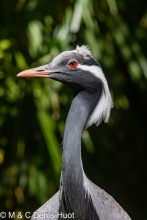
x: 40, y: 70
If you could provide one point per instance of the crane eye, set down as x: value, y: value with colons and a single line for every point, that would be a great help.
x: 73, y: 64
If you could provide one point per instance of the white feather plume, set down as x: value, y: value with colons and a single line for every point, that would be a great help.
x: 103, y: 108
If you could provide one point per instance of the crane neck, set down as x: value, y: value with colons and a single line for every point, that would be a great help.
x: 72, y: 191
x: 81, y: 108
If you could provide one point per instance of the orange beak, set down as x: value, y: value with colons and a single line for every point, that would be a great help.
x: 40, y: 71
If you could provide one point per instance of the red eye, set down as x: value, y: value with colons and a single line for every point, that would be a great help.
x: 73, y: 64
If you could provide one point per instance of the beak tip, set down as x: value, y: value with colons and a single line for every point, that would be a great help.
x: 18, y: 75
x: 21, y: 75
x: 26, y: 73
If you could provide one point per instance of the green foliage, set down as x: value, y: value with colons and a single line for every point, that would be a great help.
x: 33, y: 112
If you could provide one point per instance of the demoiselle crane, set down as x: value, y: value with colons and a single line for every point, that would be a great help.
x: 78, y: 198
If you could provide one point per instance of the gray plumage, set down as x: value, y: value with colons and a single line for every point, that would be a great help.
x: 91, y: 104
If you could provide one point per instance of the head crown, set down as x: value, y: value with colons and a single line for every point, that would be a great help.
x: 83, y: 50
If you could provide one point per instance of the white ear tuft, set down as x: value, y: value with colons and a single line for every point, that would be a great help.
x: 103, y: 108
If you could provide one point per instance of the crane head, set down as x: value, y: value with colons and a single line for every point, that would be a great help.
x: 80, y: 71
x: 69, y: 67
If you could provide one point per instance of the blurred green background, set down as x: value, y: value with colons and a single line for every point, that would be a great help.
x: 33, y: 111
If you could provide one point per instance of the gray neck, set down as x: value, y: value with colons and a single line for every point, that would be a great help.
x: 81, y: 108
x: 72, y: 189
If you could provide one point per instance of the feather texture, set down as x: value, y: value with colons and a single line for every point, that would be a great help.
x: 83, y: 50
x: 103, y: 108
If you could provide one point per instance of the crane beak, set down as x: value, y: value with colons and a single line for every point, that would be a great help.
x: 41, y: 71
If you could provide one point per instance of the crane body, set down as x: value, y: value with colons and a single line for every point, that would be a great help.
x: 78, y: 198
